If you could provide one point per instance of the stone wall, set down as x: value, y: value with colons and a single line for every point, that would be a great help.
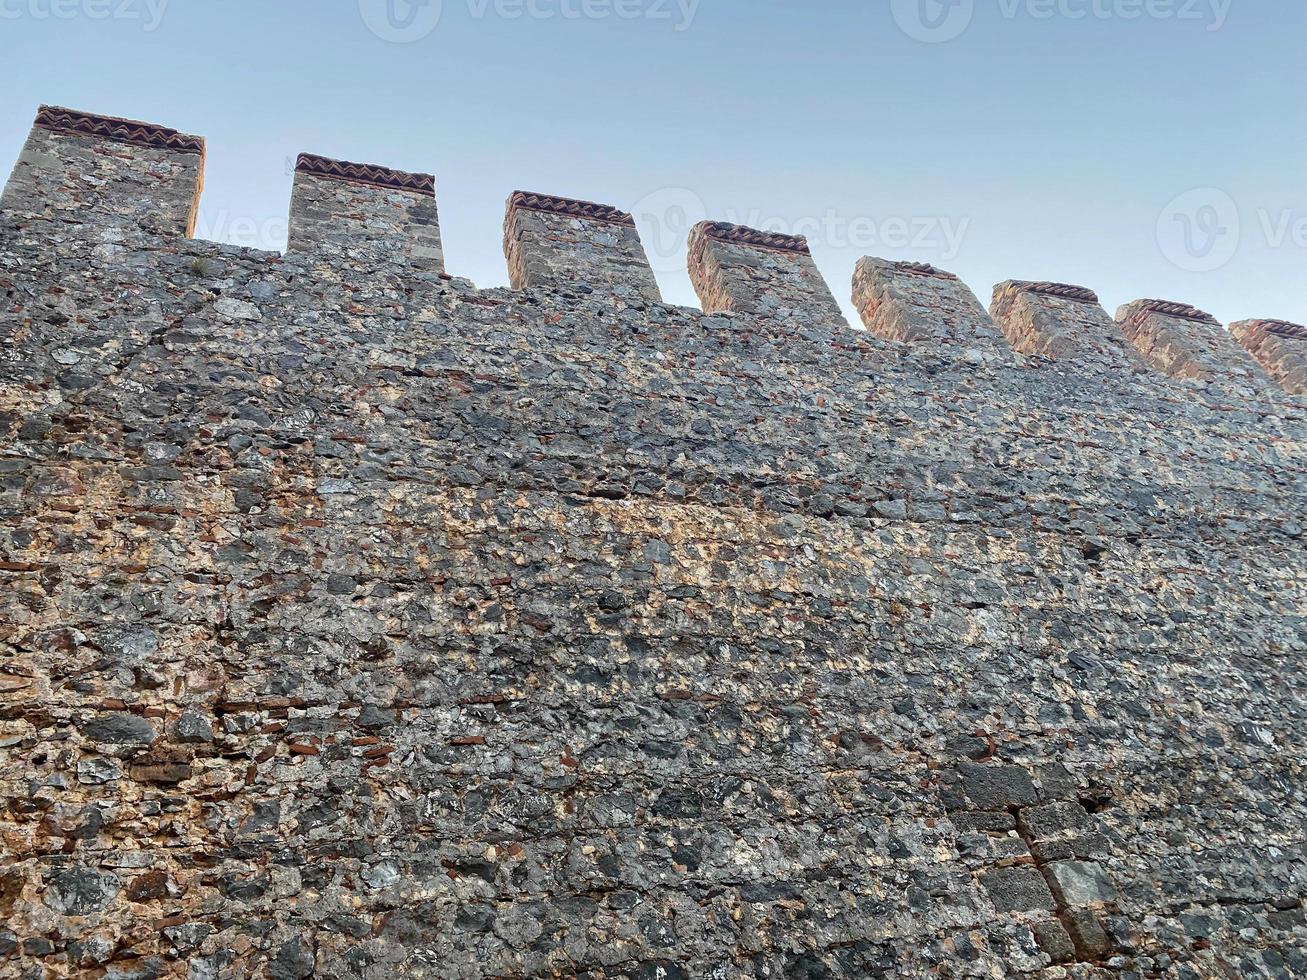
x: 741, y: 270
x: 914, y: 302
x: 558, y: 241
x: 372, y: 625
x: 1187, y: 344
x: 1279, y: 347
x: 338, y: 208
x: 1063, y: 323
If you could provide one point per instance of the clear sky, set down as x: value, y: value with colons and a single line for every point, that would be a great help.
x: 1144, y: 148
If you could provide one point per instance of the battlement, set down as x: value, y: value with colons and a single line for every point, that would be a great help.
x: 1062, y: 322
x: 559, y: 241
x: 736, y: 269
x: 360, y: 623
x: 1186, y: 343
x: 145, y: 179
x: 103, y: 170
x: 1279, y: 347
x: 918, y: 303
x: 339, y: 208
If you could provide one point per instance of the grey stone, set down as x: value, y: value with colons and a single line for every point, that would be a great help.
x: 1018, y: 889
x: 119, y: 729
x: 81, y: 890
x: 1079, y: 883
x: 193, y: 726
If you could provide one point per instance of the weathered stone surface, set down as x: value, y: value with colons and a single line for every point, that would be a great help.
x: 1088, y: 935
x: 339, y: 209
x: 561, y: 243
x: 118, y: 728
x: 81, y: 891
x: 549, y: 632
x: 1055, y: 941
x: 1279, y: 347
x: 740, y: 270
x: 1187, y: 344
x: 1018, y: 889
x: 1079, y: 883
x: 909, y: 301
x: 1064, y: 323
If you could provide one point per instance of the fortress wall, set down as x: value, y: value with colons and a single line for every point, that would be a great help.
x: 739, y: 270
x: 1279, y: 347
x: 338, y: 207
x: 105, y: 172
x: 561, y: 243
x: 914, y: 302
x: 1187, y: 344
x: 372, y: 625
x: 1061, y: 322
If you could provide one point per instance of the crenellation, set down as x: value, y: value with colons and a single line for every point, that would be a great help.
x: 341, y: 209
x: 557, y: 241
x: 134, y: 177
x: 736, y: 269
x: 1184, y: 343
x: 916, y: 303
x: 359, y: 623
x: 1064, y: 323
x: 1279, y: 347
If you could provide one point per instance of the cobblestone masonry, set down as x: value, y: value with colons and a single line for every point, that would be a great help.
x: 359, y: 623
x: 1186, y: 343
x: 1279, y: 347
x: 555, y: 240
x: 914, y: 302
x: 740, y: 270
x: 1061, y: 322
x: 156, y: 174
x: 340, y: 209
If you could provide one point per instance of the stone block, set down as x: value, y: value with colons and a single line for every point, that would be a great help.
x: 1079, y: 883
x: 1018, y: 889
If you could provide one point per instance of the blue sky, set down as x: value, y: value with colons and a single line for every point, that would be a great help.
x: 1140, y: 147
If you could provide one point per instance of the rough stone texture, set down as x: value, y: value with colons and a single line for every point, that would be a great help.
x: 1188, y: 344
x: 913, y: 302
x: 1279, y: 347
x: 740, y: 270
x: 1064, y: 323
x: 155, y: 184
x: 555, y: 241
x: 544, y: 633
x: 339, y: 210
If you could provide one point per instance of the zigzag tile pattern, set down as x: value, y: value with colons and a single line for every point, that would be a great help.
x: 365, y: 173
x: 587, y: 210
x: 69, y: 122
